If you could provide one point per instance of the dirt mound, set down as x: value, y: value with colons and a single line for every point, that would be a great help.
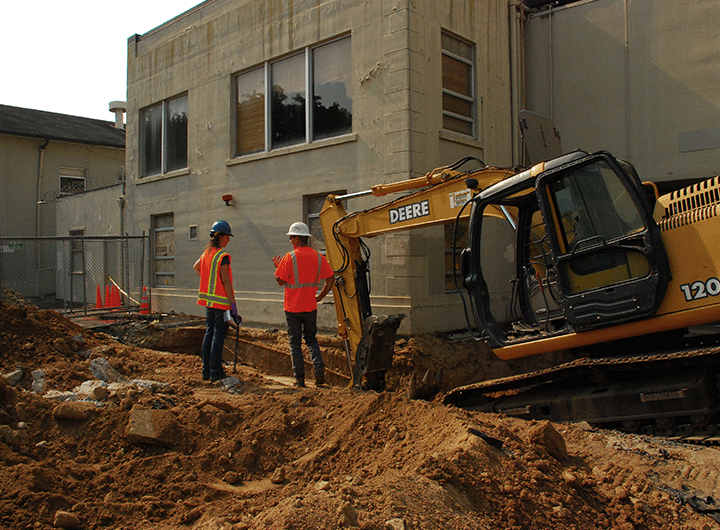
x: 272, y: 456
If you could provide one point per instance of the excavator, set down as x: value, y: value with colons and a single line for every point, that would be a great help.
x: 602, y: 266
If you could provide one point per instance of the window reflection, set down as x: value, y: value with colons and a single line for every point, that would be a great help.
x: 288, y: 102
x: 332, y: 107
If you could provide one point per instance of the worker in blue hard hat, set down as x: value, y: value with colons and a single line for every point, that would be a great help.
x: 218, y: 296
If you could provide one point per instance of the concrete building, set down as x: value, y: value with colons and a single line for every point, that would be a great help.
x: 633, y: 77
x: 46, y: 158
x: 218, y: 106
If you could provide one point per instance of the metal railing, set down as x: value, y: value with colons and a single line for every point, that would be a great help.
x: 75, y: 274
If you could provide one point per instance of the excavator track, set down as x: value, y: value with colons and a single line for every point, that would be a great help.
x: 672, y: 394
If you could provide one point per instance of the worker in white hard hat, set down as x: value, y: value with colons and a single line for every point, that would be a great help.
x: 300, y: 272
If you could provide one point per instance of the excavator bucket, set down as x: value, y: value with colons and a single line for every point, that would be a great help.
x: 374, y: 354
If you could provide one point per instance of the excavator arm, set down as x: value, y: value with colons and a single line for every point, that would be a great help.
x: 438, y: 197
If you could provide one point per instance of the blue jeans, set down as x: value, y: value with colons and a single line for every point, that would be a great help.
x: 304, y: 325
x: 213, y: 343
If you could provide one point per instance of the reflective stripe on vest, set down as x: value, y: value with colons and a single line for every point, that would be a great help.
x: 211, y: 296
x: 296, y: 276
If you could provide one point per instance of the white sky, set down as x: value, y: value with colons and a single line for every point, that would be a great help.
x: 71, y: 56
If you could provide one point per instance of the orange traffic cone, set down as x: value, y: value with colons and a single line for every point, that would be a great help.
x: 108, y: 297
x: 145, y: 304
x: 116, y: 296
x: 98, y: 299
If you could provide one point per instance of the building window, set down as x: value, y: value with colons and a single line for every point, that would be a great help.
x: 163, y: 136
x: 313, y: 204
x: 458, y: 87
x: 250, y: 112
x: 72, y: 180
x: 332, y: 106
x: 164, y: 249
x: 318, y: 74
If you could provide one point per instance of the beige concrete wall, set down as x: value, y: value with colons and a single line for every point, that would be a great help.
x: 634, y: 77
x: 397, y: 122
x: 97, y: 212
x: 25, y: 166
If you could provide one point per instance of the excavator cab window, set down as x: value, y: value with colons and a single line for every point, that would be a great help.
x: 586, y: 252
x: 602, y: 237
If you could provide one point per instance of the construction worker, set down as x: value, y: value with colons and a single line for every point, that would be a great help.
x: 217, y: 295
x: 300, y: 271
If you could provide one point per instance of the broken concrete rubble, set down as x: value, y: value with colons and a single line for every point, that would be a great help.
x: 152, y: 426
x: 102, y: 370
x: 14, y: 377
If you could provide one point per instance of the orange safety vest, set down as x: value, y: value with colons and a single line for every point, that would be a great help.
x: 212, y: 291
x: 300, y: 293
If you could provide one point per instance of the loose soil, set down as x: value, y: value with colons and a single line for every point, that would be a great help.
x: 274, y: 456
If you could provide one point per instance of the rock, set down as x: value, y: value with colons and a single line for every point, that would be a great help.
x: 347, y: 515
x: 231, y: 477
x: 622, y: 494
x: 76, y: 343
x: 38, y: 384
x: 278, y: 477
x: 73, y: 410
x: 102, y: 370
x: 14, y: 377
x: 245, y: 457
x: 544, y: 434
x: 61, y: 346
x: 395, y: 524
x: 57, y: 395
x: 66, y: 520
x: 153, y: 426
x: 144, y: 384
x: 100, y: 393
x: 571, y: 479
x: 323, y: 485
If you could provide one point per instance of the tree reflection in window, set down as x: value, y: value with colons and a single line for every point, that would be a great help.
x: 290, y: 121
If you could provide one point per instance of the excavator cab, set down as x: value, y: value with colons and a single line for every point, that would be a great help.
x: 588, y: 253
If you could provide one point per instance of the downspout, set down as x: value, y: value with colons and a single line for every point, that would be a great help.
x: 121, y: 202
x: 552, y: 64
x: 517, y: 73
x: 410, y: 90
x: 627, y: 82
x: 38, y: 193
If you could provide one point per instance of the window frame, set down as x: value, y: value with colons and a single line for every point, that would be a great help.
x: 472, y: 98
x: 309, y: 92
x: 165, y: 131
x: 71, y: 174
x: 167, y: 258
x: 318, y: 243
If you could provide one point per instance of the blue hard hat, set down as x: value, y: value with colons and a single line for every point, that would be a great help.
x: 220, y: 227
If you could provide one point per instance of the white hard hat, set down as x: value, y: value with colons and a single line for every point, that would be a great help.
x: 299, y: 229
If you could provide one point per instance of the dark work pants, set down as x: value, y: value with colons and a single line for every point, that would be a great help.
x: 213, y: 343
x: 304, y: 325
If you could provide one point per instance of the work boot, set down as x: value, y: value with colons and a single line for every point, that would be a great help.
x: 299, y: 382
x: 319, y: 379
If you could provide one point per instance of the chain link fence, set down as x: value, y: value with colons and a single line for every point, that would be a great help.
x: 75, y: 274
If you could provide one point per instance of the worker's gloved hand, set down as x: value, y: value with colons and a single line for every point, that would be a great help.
x: 233, y: 312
